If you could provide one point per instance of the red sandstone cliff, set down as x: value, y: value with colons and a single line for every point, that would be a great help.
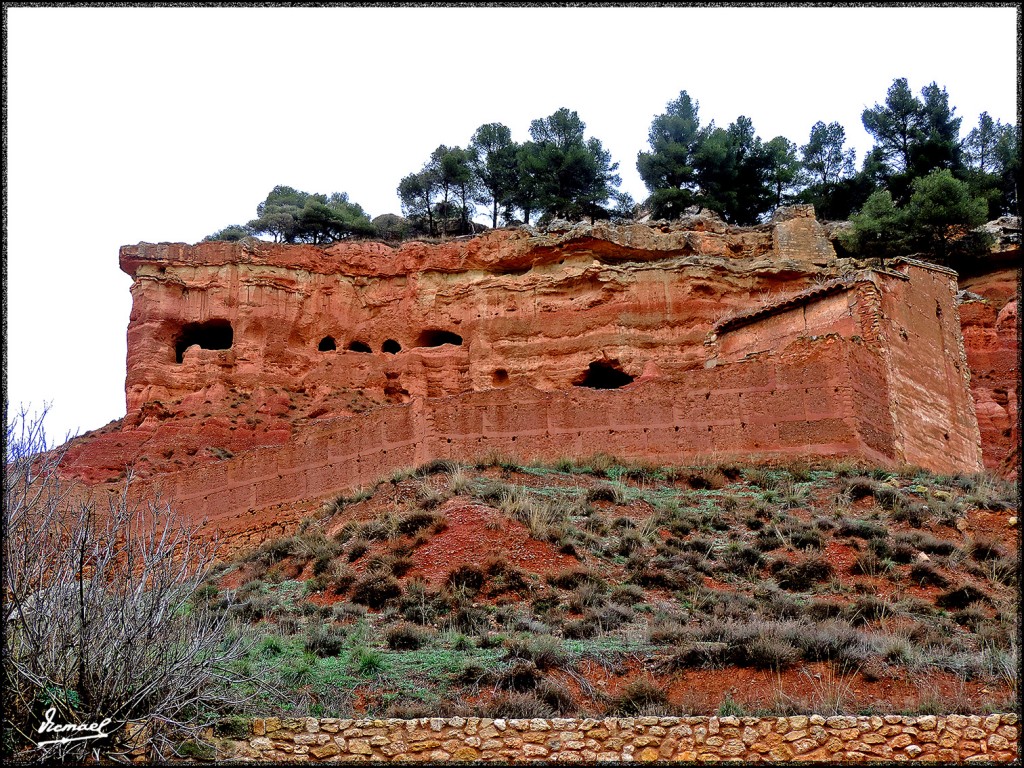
x: 988, y: 314
x: 468, y: 315
x: 341, y: 363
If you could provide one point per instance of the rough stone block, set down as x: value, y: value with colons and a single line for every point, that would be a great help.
x: 803, y: 746
x: 324, y: 751
x: 734, y: 748
x: 359, y: 747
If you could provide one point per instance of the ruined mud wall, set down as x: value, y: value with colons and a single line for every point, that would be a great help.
x: 947, y: 739
x: 799, y: 404
x: 929, y: 379
x: 915, y: 379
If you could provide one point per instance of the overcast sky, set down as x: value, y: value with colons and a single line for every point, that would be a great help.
x: 166, y: 124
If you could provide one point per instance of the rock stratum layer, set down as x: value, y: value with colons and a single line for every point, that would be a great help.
x: 263, y: 378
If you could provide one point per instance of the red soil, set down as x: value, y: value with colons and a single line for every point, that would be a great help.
x: 476, y: 534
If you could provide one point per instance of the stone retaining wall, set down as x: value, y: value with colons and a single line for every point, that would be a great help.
x: 950, y: 738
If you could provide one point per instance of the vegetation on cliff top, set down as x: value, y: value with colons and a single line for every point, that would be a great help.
x: 895, y: 199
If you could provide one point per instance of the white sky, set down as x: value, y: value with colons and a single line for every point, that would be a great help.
x: 166, y: 124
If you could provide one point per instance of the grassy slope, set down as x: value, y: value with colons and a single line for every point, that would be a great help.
x: 607, y: 587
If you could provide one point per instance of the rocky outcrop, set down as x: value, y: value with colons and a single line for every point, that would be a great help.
x: 237, y: 345
x: 798, y: 236
x: 259, y: 355
x: 988, y: 313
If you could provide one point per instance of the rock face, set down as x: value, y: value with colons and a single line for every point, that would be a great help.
x: 265, y: 376
x: 236, y: 345
x: 992, y: 339
x: 797, y: 235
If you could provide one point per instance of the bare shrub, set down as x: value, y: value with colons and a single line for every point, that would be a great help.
x: 515, y: 705
x: 468, y: 579
x: 925, y: 574
x: 324, y: 641
x: 544, y: 651
x: 641, y: 695
x: 100, y: 619
x: 604, y: 491
x: 414, y: 522
x: 802, y: 574
x: 375, y: 589
x: 405, y: 637
x: 557, y: 696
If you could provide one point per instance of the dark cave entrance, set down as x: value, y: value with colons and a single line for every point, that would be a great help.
x: 435, y: 338
x: 327, y: 344
x: 603, y: 374
x: 391, y: 346
x: 213, y: 334
x: 358, y: 346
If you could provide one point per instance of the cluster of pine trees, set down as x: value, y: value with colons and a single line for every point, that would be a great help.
x: 921, y: 187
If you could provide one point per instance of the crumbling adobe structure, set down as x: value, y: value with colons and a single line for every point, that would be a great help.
x: 264, y: 377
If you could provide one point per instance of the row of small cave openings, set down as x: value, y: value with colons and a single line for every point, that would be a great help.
x: 600, y: 374
x: 218, y: 334
x: 429, y: 338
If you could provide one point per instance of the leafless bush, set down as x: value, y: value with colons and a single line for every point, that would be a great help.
x: 99, y: 616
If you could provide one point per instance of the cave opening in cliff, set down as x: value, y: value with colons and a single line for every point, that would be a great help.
x: 391, y: 347
x: 327, y: 344
x: 213, y: 334
x: 359, y: 346
x: 603, y: 374
x: 436, y: 337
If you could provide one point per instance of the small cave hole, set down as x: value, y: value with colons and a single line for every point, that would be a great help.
x: 213, y: 334
x: 500, y: 377
x: 359, y: 346
x: 327, y: 344
x: 436, y: 337
x: 603, y: 374
x: 391, y: 346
